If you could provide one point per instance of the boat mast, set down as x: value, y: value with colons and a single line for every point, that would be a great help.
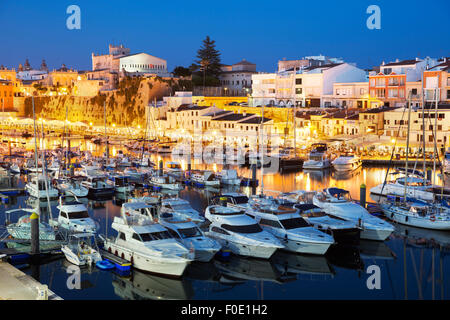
x: 423, y: 137
x: 44, y: 171
x: 261, y: 133
x: 407, y: 145
x: 35, y: 137
x: 106, y: 136
x: 293, y: 120
x: 436, y: 153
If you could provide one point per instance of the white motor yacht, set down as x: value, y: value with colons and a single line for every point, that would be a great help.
x: 190, y: 235
x: 148, y: 245
x: 342, y: 230
x: 347, y: 162
x: 181, y: 209
x: 165, y: 182
x: 336, y: 202
x: 205, y: 179
x: 229, y: 177
x: 288, y: 226
x: 318, y: 158
x: 74, y: 217
x: 236, y: 231
x: 37, y: 188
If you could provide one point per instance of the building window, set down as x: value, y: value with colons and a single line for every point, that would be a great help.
x: 298, y: 81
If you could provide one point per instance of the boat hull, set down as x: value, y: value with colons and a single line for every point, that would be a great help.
x: 296, y: 246
x: 167, y: 266
x: 401, y: 216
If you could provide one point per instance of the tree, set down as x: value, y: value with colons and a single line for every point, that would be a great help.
x: 182, y: 71
x: 207, y: 65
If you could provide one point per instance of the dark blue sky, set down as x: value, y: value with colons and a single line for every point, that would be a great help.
x: 262, y: 32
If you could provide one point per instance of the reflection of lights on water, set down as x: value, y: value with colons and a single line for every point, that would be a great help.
x: 215, y: 167
x: 114, y: 151
x: 308, y: 183
x: 183, y: 165
x: 364, y: 175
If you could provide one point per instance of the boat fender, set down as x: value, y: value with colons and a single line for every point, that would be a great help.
x: 433, y: 218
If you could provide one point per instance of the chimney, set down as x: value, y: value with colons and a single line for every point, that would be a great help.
x: 396, y: 60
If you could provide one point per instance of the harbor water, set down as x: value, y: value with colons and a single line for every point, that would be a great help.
x: 413, y: 263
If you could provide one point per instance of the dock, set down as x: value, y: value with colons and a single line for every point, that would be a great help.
x: 396, y: 163
x: 16, y: 285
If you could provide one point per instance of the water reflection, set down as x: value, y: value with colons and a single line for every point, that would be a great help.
x: 143, y: 286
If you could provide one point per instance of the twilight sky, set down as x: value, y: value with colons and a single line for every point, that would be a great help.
x: 262, y: 32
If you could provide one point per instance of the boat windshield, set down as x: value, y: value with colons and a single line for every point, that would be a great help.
x: 240, y: 199
x: 181, y: 206
x: 447, y: 156
x: 294, y: 223
x: 250, y: 228
x: 146, y: 237
x: 120, y: 182
x: 190, y: 232
x: 78, y: 215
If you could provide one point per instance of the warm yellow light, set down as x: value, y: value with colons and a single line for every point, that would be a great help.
x: 139, y: 126
x: 114, y: 125
x: 393, y: 140
x: 90, y: 123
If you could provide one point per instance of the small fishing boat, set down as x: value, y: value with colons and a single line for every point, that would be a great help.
x: 82, y: 249
x: 237, y: 232
x: 205, y: 179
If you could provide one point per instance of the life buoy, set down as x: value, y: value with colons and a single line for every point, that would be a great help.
x: 433, y: 218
